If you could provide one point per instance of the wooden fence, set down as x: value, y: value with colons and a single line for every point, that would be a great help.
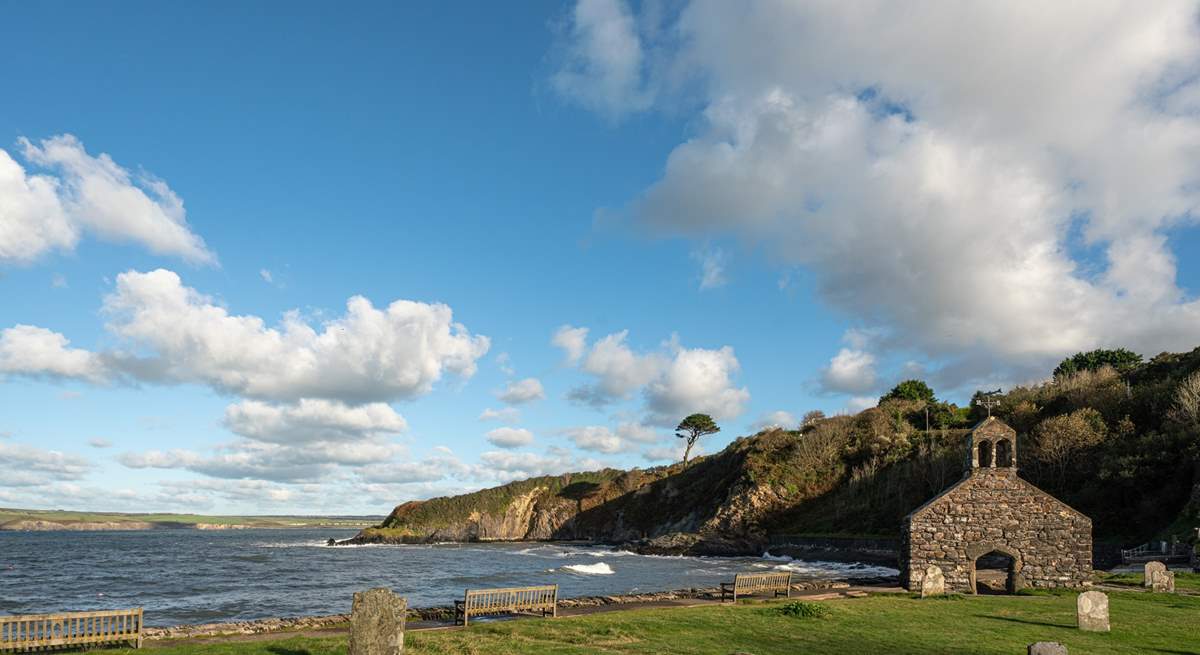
x: 47, y: 631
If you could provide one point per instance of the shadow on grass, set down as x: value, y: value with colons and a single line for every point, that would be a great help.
x: 1025, y: 621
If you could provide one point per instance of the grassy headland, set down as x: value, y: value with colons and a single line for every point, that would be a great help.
x: 984, y: 625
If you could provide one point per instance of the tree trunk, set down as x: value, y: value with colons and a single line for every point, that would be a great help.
x: 687, y: 451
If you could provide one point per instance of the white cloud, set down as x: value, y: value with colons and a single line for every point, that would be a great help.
x: 522, y: 391
x: 777, y: 419
x: 600, y: 439
x: 22, y: 465
x: 505, y: 466
x: 510, y: 437
x: 99, y: 442
x: 266, y: 276
x: 370, y: 354
x: 675, y: 381
x: 697, y: 380
x: 936, y: 167
x: 503, y: 415
x: 39, y: 213
x: 859, y: 403
x: 850, y: 371
x: 602, y: 59
x: 255, y: 460
x: 32, y: 351
x: 619, y: 371
x: 673, y: 453
x: 712, y: 268
x: 572, y: 340
x: 312, y: 420
x: 596, y: 438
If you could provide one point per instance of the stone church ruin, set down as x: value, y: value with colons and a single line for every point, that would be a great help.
x: 994, y: 523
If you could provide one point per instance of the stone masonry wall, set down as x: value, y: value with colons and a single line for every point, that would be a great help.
x: 993, y: 509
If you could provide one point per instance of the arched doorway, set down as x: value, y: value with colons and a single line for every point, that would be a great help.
x: 995, y: 570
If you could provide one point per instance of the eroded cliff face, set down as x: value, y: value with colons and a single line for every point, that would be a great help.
x: 715, y: 506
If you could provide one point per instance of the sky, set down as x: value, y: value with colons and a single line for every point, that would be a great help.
x: 297, y: 258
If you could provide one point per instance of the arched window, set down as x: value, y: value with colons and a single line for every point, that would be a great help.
x: 985, y: 453
x: 1004, y: 455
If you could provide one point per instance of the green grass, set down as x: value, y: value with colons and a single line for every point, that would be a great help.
x: 1184, y: 581
x: 985, y: 625
x: 65, y: 516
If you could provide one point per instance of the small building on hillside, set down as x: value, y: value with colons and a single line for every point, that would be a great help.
x: 993, y: 519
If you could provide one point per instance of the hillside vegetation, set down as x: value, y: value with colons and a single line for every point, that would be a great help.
x: 1110, y: 435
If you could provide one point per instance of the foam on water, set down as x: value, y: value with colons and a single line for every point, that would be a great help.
x: 599, y: 568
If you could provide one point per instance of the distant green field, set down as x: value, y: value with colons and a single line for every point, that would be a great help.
x: 1184, y: 580
x: 10, y: 516
x: 898, y: 625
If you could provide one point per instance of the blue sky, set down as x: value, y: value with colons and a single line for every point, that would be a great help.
x: 772, y: 237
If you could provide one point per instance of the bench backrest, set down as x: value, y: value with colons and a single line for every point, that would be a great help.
x: 512, y: 599
x: 752, y: 581
x: 30, y: 631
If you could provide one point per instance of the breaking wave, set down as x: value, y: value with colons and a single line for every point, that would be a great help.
x: 599, y: 568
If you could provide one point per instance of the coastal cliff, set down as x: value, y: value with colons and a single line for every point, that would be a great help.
x: 721, y: 504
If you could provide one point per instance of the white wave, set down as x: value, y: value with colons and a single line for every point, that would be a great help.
x: 826, y: 570
x: 599, y: 568
x: 776, y: 558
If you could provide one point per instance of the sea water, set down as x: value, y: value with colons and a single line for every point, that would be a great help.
x: 202, y: 576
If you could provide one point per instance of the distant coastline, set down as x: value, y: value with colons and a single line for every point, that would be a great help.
x: 30, y: 520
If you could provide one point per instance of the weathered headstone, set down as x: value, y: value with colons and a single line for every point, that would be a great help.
x: 1164, y: 582
x: 377, y: 623
x: 1092, y: 611
x: 934, y: 582
x: 1047, y: 648
x: 1152, y: 570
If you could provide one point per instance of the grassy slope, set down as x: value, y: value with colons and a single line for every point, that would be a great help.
x: 61, y: 516
x: 1183, y: 581
x: 986, y: 625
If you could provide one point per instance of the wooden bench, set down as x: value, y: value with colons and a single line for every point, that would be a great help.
x: 46, y: 631
x: 745, y: 584
x: 513, y: 600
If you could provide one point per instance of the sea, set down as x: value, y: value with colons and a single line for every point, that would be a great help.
x: 207, y: 576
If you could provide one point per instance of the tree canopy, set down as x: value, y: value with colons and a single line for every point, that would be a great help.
x: 1118, y: 358
x: 692, y: 428
x: 910, y: 390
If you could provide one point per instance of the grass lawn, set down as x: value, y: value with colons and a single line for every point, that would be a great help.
x: 1142, y: 623
x: 1184, y: 581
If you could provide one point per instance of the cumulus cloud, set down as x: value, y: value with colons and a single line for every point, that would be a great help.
x: 506, y: 466
x: 99, y: 442
x: 618, y: 370
x: 602, y: 59
x: 84, y: 193
x: 674, y: 380
x: 503, y: 415
x: 522, y: 391
x: 572, y: 340
x: 850, y: 371
x: 176, y: 334
x: 509, y: 437
x: 254, y: 460
x: 31, y: 351
x: 22, y: 465
x: 312, y: 420
x: 777, y: 419
x: 601, y: 439
x: 933, y: 191
x: 712, y: 268
x: 697, y: 380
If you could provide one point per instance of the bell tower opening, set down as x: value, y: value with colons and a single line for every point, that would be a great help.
x: 1004, y: 454
x: 985, y: 454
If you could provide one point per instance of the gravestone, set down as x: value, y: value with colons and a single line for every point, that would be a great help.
x: 1152, y: 570
x: 1091, y: 610
x: 1047, y: 648
x: 377, y: 623
x: 934, y: 582
x: 1164, y: 582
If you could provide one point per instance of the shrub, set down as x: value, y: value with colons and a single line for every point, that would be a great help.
x: 803, y: 610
